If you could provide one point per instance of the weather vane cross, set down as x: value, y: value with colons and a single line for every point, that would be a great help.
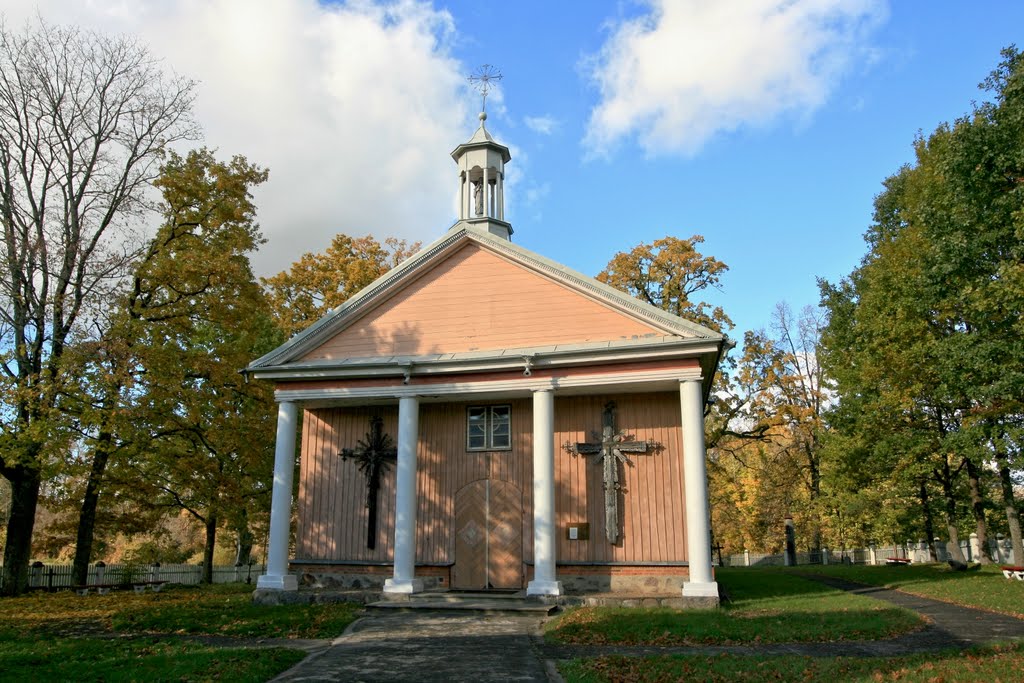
x: 482, y: 80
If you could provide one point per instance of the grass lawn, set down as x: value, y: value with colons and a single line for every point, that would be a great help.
x: 52, y: 636
x: 224, y: 610
x: 984, y: 589
x: 84, y: 659
x: 768, y: 606
x: 996, y: 664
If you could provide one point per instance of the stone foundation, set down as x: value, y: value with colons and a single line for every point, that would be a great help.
x: 361, y: 577
x: 627, y: 579
x: 591, y: 585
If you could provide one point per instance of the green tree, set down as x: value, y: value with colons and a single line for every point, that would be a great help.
x: 930, y: 322
x: 83, y: 121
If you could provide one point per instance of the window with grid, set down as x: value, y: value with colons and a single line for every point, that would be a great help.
x: 488, y: 428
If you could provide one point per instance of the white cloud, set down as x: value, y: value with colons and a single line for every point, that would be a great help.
x: 545, y: 125
x: 534, y: 193
x: 690, y: 69
x: 353, y: 106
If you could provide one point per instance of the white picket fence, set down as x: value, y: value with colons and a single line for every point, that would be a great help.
x: 1000, y: 550
x: 58, y: 576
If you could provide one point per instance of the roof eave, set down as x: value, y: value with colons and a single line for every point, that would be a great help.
x: 507, y: 360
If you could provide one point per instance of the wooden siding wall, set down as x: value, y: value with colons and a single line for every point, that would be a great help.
x: 332, y: 493
x: 478, y: 300
x: 652, y: 512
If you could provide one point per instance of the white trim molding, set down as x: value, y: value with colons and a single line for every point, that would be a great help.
x: 522, y: 385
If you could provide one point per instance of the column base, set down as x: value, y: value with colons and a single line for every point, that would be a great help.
x: 692, y: 589
x: 544, y: 588
x: 277, y: 582
x: 403, y: 586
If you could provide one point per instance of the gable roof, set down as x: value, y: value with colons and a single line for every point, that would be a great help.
x: 294, y: 350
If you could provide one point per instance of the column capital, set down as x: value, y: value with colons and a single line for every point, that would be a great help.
x: 684, y: 380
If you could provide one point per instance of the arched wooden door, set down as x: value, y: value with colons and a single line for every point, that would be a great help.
x: 488, y: 536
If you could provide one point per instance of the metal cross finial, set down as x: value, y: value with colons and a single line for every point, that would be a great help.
x: 481, y: 80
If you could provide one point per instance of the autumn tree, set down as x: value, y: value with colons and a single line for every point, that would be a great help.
x: 318, y: 282
x: 198, y: 316
x: 769, y: 420
x: 183, y: 279
x: 84, y: 119
x: 671, y: 274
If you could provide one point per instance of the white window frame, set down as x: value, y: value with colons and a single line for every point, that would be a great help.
x: 489, y: 423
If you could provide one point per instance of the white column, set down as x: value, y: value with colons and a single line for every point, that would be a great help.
x: 462, y: 195
x: 404, y: 579
x: 501, y: 196
x: 698, y: 523
x: 544, y: 581
x: 277, y: 576
x: 485, y: 188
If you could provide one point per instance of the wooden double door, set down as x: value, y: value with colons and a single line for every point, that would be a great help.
x: 488, y: 536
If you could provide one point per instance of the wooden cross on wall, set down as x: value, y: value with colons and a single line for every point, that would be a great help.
x: 612, y: 452
x: 373, y: 456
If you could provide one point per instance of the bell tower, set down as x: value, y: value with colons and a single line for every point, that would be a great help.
x: 481, y: 163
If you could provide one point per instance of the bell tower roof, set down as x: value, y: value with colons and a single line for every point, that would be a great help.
x: 481, y: 163
x: 482, y: 138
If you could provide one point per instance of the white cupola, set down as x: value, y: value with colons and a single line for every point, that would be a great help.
x: 482, y: 181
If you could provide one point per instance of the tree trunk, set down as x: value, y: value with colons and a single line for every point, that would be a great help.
x: 929, y: 522
x: 1009, y: 501
x: 815, y: 493
x: 211, y: 543
x: 978, y: 509
x: 243, y: 542
x: 946, y: 480
x: 1012, y: 516
x: 18, y: 549
x: 87, y: 515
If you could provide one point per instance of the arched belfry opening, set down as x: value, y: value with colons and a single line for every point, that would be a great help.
x: 481, y: 163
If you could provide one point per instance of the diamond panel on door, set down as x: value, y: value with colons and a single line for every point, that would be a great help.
x: 488, y: 536
x: 470, y: 570
x: 505, y: 536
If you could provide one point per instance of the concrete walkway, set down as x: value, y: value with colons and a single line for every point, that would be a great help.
x: 443, y: 646
x: 430, y: 646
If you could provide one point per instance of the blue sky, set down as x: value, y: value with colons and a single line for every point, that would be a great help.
x: 783, y: 202
x: 767, y: 127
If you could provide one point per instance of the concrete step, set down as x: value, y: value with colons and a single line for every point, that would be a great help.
x: 465, y: 602
x: 463, y: 596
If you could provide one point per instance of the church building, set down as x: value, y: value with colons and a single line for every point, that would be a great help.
x: 484, y: 418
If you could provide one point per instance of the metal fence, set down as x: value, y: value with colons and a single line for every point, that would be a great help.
x: 58, y: 576
x: 999, y: 550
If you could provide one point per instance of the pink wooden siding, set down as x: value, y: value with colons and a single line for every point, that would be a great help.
x: 476, y: 300
x: 652, y: 512
x: 332, y: 493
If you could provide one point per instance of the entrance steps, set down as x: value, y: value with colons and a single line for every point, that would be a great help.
x: 460, y: 601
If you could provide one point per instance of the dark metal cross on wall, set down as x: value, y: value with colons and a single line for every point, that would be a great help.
x: 612, y: 452
x: 373, y: 456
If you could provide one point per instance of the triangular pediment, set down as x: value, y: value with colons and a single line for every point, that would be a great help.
x: 473, y: 292
x: 475, y: 300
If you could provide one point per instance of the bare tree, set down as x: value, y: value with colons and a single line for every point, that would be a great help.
x: 84, y: 119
